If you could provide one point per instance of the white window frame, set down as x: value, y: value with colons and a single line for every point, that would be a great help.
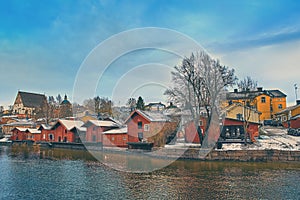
x: 146, y: 127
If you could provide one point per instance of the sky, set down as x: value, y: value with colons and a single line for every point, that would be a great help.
x: 43, y: 44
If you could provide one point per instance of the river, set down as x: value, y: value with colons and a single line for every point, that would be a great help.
x: 31, y: 173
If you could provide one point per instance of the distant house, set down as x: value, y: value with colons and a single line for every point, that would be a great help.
x: 290, y: 115
x: 234, y: 114
x: 95, y: 128
x: 63, y: 131
x: 115, y: 137
x: 268, y: 102
x: 30, y: 105
x: 155, y: 107
x: 7, y: 128
x: 150, y: 126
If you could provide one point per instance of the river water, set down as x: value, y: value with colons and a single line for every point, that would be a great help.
x: 30, y: 173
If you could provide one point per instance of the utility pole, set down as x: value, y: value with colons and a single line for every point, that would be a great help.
x: 296, y: 91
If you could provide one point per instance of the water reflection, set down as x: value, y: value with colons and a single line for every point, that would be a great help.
x: 33, y: 173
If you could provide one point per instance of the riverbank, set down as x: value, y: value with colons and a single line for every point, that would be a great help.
x: 194, y: 153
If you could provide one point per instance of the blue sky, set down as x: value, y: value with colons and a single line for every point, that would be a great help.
x: 43, y: 43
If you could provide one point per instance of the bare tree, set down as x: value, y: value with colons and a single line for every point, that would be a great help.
x: 131, y: 103
x: 106, y: 106
x: 199, y: 81
x: 247, y: 84
x: 89, y: 104
x: 97, y: 105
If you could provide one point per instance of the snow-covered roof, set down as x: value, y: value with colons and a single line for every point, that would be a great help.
x: 82, y: 129
x: 296, y: 117
x: 288, y: 109
x: 117, y: 131
x: 69, y: 124
x: 45, y: 126
x: 152, y: 116
x: 101, y: 123
x: 33, y: 130
x: 20, y: 129
x: 20, y: 123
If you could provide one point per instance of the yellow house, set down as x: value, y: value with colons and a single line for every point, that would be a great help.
x: 267, y: 102
x: 289, y: 112
x: 238, y: 111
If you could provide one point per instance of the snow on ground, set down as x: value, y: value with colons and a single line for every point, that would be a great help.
x: 272, y: 138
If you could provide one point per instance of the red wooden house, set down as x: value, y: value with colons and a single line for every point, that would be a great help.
x: 33, y: 134
x: 46, y: 132
x: 115, y: 137
x: 19, y: 134
x: 143, y: 125
x: 95, y: 128
x: 23, y: 134
x: 63, y: 131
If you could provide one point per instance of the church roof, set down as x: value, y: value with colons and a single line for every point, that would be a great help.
x: 32, y: 99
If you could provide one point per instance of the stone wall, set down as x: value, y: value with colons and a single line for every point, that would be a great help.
x: 244, y: 155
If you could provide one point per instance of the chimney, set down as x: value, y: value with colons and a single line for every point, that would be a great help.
x: 298, y: 102
x: 235, y: 90
x: 259, y: 89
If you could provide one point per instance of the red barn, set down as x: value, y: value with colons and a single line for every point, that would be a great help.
x: 62, y: 131
x: 253, y: 127
x: 145, y: 124
x: 19, y: 134
x: 115, y: 137
x: 22, y: 134
x: 33, y: 134
x: 95, y: 128
x: 45, y: 133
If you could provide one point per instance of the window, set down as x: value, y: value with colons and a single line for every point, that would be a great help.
x: 51, y: 137
x: 200, y: 123
x: 284, y: 118
x: 44, y: 136
x: 280, y: 106
x: 65, y: 130
x: 124, y: 138
x: 112, y: 138
x: 239, y: 116
x: 140, y: 125
x: 263, y: 99
x: 94, y: 128
x: 146, y: 127
x: 94, y: 138
x: 140, y: 136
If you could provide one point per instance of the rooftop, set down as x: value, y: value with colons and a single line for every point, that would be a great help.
x: 32, y: 99
x: 101, y: 123
x: 116, y: 131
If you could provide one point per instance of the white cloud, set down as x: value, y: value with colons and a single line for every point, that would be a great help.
x: 274, y: 66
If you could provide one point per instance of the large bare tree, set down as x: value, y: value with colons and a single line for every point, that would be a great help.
x: 199, y: 82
